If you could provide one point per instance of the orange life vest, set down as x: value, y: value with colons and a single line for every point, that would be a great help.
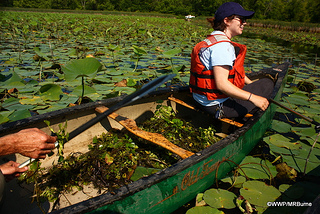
x: 202, y: 80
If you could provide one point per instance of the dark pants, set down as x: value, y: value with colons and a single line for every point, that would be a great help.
x: 2, y: 186
x: 233, y: 108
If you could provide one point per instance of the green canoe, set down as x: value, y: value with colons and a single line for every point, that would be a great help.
x: 168, y: 189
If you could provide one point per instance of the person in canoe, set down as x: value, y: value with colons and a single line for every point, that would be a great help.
x: 217, y: 80
x: 32, y: 143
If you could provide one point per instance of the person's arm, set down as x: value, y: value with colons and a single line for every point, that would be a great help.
x: 247, y: 81
x: 221, y: 74
x: 32, y: 143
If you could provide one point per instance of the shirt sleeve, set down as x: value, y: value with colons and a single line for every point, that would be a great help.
x: 222, y: 53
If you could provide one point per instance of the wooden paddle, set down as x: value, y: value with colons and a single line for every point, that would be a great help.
x: 155, y: 138
x: 146, y: 89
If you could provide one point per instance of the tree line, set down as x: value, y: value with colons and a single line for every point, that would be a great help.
x: 282, y: 10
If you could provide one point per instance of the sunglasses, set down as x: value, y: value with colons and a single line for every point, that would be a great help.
x: 241, y: 19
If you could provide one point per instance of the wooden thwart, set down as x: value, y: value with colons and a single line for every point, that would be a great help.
x: 156, y: 138
x: 226, y: 120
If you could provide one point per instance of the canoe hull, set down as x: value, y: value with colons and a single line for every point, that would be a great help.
x: 169, y: 189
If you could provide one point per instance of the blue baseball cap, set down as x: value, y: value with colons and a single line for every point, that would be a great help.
x: 232, y: 8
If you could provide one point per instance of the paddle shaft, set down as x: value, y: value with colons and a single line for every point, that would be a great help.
x: 127, y: 100
x: 296, y: 113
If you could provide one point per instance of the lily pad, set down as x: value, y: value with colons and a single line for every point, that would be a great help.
x: 18, y: 115
x: 257, y: 168
x: 258, y: 193
x: 297, y: 100
x: 87, y: 67
x: 281, y: 141
x: 138, y: 50
x: 220, y: 198
x: 280, y: 126
x: 50, y: 92
x: 87, y: 90
x: 306, y: 131
x: 235, y: 181
x: 143, y: 172
x: 4, y: 116
x: 204, y: 210
x: 171, y: 53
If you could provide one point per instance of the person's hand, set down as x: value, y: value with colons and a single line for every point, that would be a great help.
x: 33, y: 143
x: 11, y: 169
x: 259, y: 101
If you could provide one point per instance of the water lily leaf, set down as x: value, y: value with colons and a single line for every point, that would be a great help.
x: 284, y: 187
x: 104, y: 88
x: 235, y: 181
x: 115, y: 72
x: 19, y: 115
x: 171, y: 53
x: 258, y: 193
x: 282, y: 150
x: 297, y: 100
x: 40, y: 54
x: 112, y: 47
x: 138, y: 50
x: 31, y: 101
x: 199, y: 200
x: 50, y: 92
x: 53, y: 107
x: 143, y: 172
x: 72, y: 52
x: 10, y: 102
x: 308, y: 131
x: 11, y: 78
x: 257, y: 168
x: 3, y: 119
x: 280, y: 126
x: 204, y: 210
x: 281, y: 141
x: 26, y: 72
x: 220, y: 198
x: 87, y: 67
x: 125, y: 90
x: 14, y: 104
x: 131, y: 82
x: 103, y: 78
x: 299, y: 162
x: 4, y: 116
x: 87, y: 90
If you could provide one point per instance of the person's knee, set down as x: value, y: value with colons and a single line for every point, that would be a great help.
x: 263, y: 87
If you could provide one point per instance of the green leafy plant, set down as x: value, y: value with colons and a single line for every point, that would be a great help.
x: 83, y: 68
x: 62, y: 138
x: 138, y: 52
x: 169, y: 55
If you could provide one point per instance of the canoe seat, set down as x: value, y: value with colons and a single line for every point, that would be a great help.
x: 226, y: 120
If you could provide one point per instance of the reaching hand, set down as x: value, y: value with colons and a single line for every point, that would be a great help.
x: 33, y: 143
x: 260, y: 102
x: 11, y: 169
